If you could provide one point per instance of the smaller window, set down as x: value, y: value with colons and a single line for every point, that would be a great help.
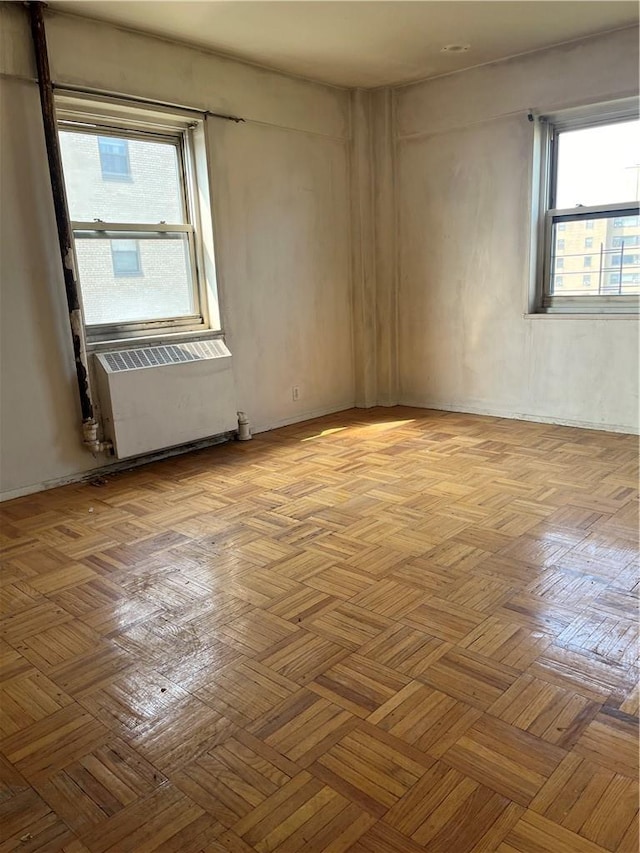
x: 586, y: 279
x: 125, y: 257
x: 560, y: 244
x: 589, y: 224
x: 587, y: 261
x: 627, y: 260
x: 628, y: 240
x: 114, y: 157
x: 588, y: 242
x: 558, y: 281
x: 559, y: 263
x: 561, y: 226
x: 627, y: 278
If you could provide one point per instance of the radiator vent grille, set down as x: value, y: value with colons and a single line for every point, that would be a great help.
x: 134, y: 359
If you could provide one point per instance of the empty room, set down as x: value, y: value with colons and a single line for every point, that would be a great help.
x: 319, y: 425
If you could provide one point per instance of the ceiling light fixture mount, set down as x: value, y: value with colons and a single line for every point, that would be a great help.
x: 455, y: 48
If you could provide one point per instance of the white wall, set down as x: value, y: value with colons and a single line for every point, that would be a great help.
x: 281, y: 205
x: 464, y: 176
x: 406, y: 246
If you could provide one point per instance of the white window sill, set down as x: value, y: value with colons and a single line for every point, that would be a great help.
x: 585, y: 315
x: 150, y: 340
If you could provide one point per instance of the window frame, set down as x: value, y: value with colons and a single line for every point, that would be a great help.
x: 104, y: 116
x: 548, y: 128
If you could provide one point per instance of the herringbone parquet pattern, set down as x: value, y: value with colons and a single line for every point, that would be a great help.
x: 388, y: 631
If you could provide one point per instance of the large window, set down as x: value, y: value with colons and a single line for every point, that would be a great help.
x: 135, y: 196
x: 591, y: 182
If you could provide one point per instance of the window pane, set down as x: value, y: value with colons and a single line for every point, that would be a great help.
x: 160, y: 288
x: 614, y: 269
x: 598, y: 165
x: 121, y: 180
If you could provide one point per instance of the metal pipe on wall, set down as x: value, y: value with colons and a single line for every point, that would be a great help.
x: 65, y: 234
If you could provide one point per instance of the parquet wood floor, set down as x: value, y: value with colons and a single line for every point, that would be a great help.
x: 384, y: 631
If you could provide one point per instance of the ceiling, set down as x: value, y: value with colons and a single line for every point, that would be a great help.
x: 360, y: 42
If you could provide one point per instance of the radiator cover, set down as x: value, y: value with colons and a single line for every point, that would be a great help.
x: 157, y: 397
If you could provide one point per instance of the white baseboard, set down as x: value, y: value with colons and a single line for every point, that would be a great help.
x: 127, y: 464
x: 415, y: 402
x: 464, y: 408
x: 305, y: 416
x: 112, y: 468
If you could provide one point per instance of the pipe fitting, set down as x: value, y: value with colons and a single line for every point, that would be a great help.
x: 90, y: 437
x: 244, y: 431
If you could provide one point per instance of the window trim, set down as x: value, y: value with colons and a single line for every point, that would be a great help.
x: 546, y: 159
x: 106, y: 116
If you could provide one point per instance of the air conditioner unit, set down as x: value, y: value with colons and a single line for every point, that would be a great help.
x: 163, y: 396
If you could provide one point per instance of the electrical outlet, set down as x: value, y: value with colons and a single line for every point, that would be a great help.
x: 295, y: 393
